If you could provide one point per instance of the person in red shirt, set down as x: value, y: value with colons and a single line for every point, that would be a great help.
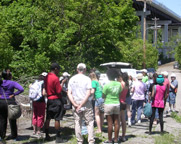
x: 54, y: 103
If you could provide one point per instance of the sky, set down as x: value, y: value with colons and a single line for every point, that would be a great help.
x: 174, y: 5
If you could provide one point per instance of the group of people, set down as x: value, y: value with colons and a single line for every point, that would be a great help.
x: 90, y: 100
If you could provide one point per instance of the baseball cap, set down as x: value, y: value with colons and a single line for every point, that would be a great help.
x: 66, y: 74
x: 173, y: 75
x: 44, y: 74
x: 81, y: 66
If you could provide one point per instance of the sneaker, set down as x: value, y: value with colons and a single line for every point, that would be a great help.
x: 129, y: 123
x: 139, y: 121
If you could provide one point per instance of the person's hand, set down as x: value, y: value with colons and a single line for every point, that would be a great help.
x: 78, y: 108
x: 75, y: 105
x: 11, y: 96
x: 64, y: 80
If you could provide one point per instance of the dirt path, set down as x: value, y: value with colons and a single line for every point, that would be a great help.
x: 136, y: 134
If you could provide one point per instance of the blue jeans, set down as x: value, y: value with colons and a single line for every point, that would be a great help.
x: 137, y: 105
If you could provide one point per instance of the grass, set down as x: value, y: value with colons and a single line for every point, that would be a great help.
x: 175, y: 116
x: 165, y: 139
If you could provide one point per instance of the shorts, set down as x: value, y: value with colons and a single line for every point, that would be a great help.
x: 100, y: 104
x: 54, y: 109
x: 111, y: 109
x: 171, y: 98
x: 122, y: 106
x: 128, y: 100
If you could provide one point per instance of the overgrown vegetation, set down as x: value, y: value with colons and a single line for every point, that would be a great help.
x: 35, y: 33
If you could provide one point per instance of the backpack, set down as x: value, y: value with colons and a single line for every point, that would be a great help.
x: 35, y: 91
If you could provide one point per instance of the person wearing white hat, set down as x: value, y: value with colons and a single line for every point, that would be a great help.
x: 65, y: 76
x: 39, y: 105
x: 138, y: 98
x: 145, y: 77
x: 79, y: 91
x: 172, y: 92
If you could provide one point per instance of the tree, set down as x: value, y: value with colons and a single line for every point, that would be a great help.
x: 36, y: 33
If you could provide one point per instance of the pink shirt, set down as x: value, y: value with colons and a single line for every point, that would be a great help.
x: 159, y: 97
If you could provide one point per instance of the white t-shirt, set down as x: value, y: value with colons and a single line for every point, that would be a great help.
x: 79, y: 84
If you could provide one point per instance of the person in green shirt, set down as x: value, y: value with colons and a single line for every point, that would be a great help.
x: 99, y: 101
x: 145, y: 77
x: 111, y: 93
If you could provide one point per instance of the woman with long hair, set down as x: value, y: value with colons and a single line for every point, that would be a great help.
x: 7, y: 89
x: 97, y: 92
x: 125, y: 85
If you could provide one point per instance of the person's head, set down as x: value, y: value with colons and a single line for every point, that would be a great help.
x: 144, y: 72
x: 173, y: 76
x: 130, y: 77
x: 6, y: 75
x: 120, y: 77
x: 93, y: 76
x: 165, y: 74
x: 139, y: 76
x: 160, y: 79
x: 81, y: 68
x: 43, y: 75
x: 150, y: 75
x: 112, y: 74
x: 126, y: 78
x: 154, y: 77
x: 55, y: 68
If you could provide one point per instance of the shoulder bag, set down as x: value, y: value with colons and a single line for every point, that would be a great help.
x: 14, y: 111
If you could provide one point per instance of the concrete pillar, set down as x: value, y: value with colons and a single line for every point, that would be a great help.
x: 141, y: 14
x: 179, y: 31
x: 165, y: 32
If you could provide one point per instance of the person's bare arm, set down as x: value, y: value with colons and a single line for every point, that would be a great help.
x: 92, y: 91
x: 44, y: 92
x: 71, y: 98
x: 153, y: 92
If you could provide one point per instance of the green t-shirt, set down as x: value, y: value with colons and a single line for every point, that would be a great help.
x: 145, y: 79
x: 111, y: 92
x: 98, y: 89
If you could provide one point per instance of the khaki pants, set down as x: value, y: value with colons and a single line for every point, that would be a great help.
x: 88, y: 116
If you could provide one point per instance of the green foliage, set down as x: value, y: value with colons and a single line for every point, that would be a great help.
x: 35, y: 33
x: 176, y: 117
x: 178, y: 50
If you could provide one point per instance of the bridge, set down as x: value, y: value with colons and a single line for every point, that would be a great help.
x: 169, y: 22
